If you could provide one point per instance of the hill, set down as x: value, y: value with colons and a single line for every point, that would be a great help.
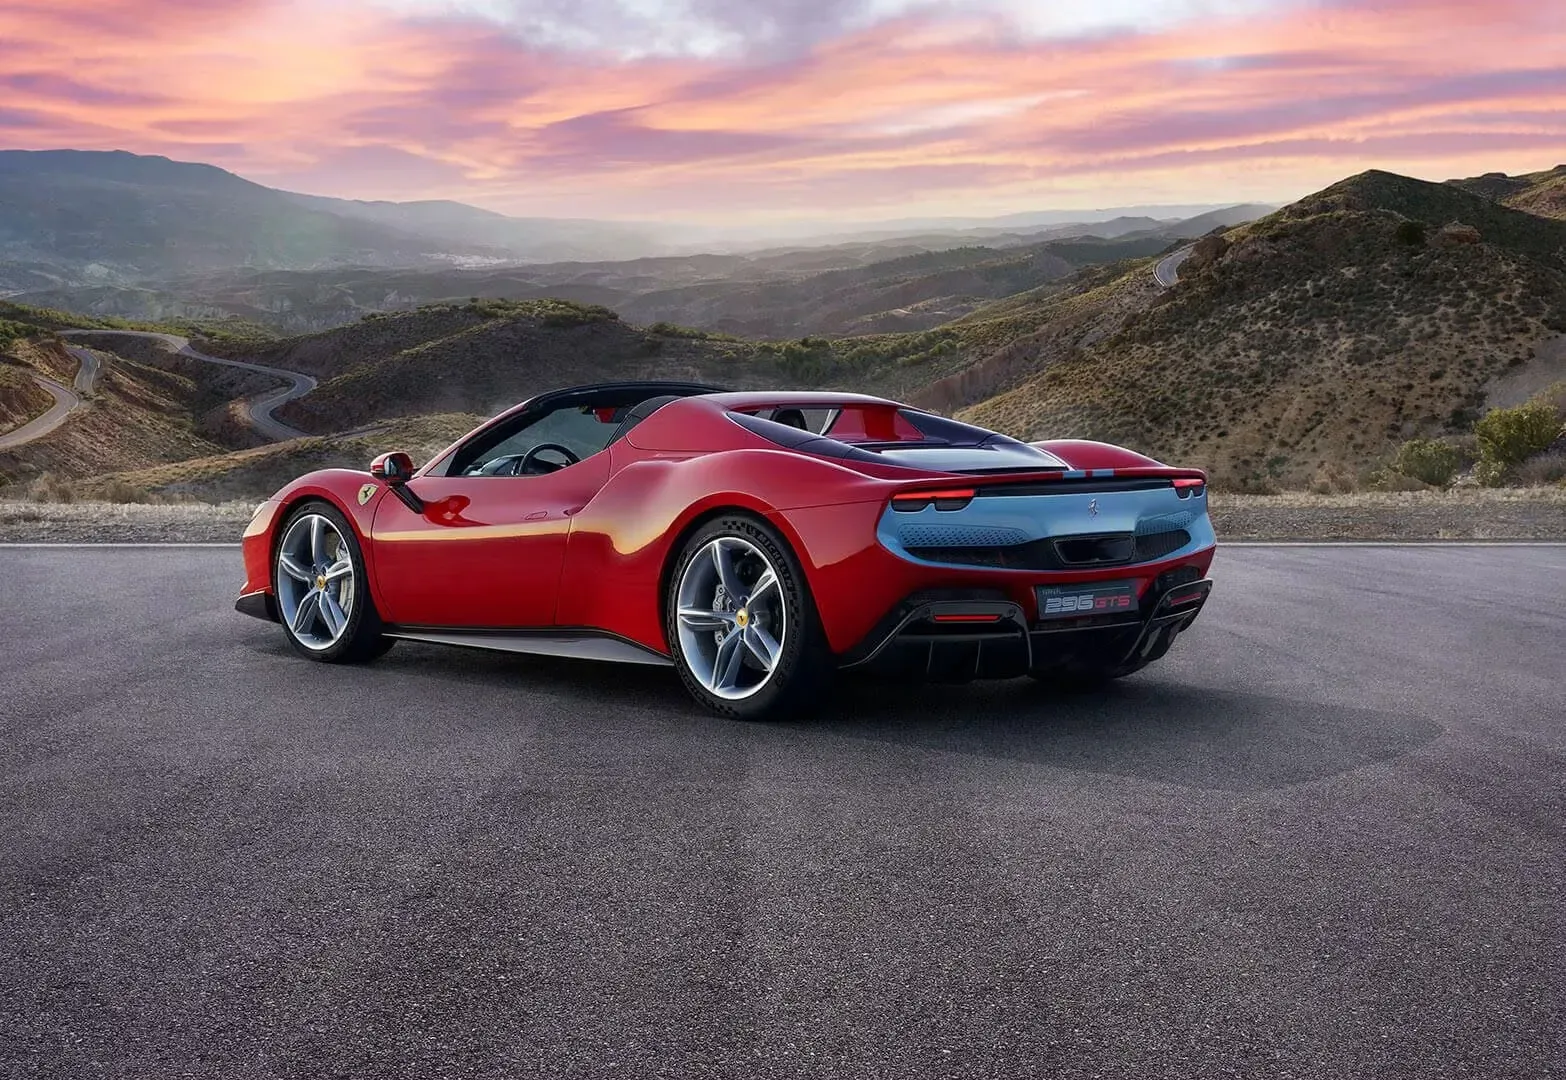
x: 1540, y: 193
x: 1306, y: 346
x: 141, y: 413
x: 482, y: 357
x: 845, y: 289
x: 247, y: 474
x: 913, y: 293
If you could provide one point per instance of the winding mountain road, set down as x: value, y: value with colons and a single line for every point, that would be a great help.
x: 1167, y: 270
x: 66, y: 400
x: 259, y: 409
x: 87, y: 374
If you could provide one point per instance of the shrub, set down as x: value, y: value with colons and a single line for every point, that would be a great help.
x: 1428, y: 460
x: 116, y: 490
x: 49, y: 488
x: 1411, y: 233
x: 1392, y: 480
x: 1510, y: 436
x: 1490, y: 473
x: 1547, y: 468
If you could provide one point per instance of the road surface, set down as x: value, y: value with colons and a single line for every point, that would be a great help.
x: 1167, y: 269
x: 258, y: 409
x: 87, y: 372
x: 1325, y: 837
x: 66, y: 401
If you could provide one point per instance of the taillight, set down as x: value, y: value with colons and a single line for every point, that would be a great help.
x: 1185, y: 487
x: 948, y: 499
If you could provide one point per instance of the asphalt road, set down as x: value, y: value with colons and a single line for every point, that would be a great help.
x: 1167, y: 269
x: 66, y: 400
x: 260, y: 408
x: 87, y: 372
x: 1326, y: 837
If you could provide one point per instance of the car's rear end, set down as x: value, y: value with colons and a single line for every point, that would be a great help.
x: 1077, y: 573
x: 942, y: 550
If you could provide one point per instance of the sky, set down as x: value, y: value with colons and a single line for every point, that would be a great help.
x: 750, y: 111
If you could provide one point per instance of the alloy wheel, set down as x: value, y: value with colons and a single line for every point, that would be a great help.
x: 732, y: 618
x: 316, y: 586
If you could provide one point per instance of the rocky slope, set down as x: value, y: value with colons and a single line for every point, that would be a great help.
x: 1308, y: 345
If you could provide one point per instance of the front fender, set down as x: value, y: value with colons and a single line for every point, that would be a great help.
x: 341, y: 488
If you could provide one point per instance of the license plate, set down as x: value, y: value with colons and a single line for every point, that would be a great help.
x: 1074, y: 601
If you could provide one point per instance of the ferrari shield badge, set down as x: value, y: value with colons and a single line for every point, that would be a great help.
x: 365, y: 493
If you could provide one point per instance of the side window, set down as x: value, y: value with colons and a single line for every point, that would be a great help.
x: 557, y: 440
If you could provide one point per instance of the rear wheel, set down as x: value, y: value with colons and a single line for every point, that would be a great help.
x: 323, y: 596
x: 741, y: 624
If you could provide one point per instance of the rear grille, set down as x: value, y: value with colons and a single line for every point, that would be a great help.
x: 1157, y: 545
x: 1062, y: 553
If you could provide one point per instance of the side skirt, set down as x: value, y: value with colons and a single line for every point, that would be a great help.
x: 580, y: 643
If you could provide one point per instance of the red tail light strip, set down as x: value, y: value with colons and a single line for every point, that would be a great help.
x: 945, y: 499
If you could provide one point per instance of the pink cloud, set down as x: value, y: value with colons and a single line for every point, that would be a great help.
x: 927, y: 112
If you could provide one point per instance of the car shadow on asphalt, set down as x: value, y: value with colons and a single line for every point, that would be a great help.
x: 1148, y: 727
x: 1152, y: 726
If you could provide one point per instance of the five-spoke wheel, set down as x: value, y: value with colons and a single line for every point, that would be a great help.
x: 741, y: 623
x: 318, y: 578
x: 732, y: 616
x: 315, y: 581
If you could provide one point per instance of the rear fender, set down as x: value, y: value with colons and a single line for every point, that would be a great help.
x: 623, y: 542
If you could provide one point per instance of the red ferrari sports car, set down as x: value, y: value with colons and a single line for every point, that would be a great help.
x: 755, y: 541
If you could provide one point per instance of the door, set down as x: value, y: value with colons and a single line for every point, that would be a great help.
x: 485, y: 552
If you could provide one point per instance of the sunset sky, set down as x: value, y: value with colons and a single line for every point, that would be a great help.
x: 744, y: 110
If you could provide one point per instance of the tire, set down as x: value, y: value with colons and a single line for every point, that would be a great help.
x: 777, y: 620
x: 336, y: 623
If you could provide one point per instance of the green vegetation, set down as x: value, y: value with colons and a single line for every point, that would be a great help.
x: 11, y: 330
x: 551, y: 312
x: 1429, y: 461
x: 672, y: 330
x: 1509, y: 437
x: 21, y: 320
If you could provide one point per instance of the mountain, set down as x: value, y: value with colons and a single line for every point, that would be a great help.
x: 115, y: 217
x: 530, y: 240
x: 1540, y: 193
x: 71, y: 217
x: 1301, y: 348
x: 1225, y: 218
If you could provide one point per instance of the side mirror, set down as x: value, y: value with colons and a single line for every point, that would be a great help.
x: 395, y: 468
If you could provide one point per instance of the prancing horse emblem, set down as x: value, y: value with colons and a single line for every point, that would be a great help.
x: 1092, y: 506
x: 368, y: 490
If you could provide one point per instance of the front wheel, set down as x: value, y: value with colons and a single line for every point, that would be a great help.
x: 741, y: 624
x: 323, y: 596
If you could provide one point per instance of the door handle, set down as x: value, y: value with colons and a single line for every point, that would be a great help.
x: 536, y: 515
